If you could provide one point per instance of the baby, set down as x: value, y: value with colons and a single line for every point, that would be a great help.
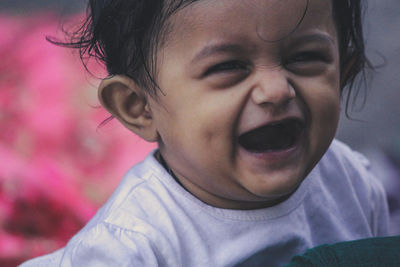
x: 243, y: 99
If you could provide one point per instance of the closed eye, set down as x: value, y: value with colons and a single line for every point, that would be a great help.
x: 308, y: 56
x: 309, y: 63
x: 226, y: 67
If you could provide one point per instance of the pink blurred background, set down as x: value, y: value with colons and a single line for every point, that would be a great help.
x: 56, y: 164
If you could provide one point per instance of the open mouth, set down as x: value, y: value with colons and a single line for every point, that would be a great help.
x: 272, y: 137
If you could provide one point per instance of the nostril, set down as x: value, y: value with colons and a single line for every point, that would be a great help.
x: 276, y: 95
x: 292, y: 92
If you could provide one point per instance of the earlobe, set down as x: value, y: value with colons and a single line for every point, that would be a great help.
x: 127, y: 102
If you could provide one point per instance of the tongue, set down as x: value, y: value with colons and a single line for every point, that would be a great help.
x: 271, y: 137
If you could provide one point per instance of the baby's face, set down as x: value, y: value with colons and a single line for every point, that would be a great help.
x: 251, y: 97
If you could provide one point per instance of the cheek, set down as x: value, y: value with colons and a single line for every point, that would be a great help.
x: 322, y: 98
x: 196, y: 121
x: 324, y: 111
x: 322, y: 104
x: 215, y: 126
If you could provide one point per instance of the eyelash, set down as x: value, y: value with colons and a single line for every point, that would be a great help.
x: 236, y: 65
x: 308, y: 56
x: 227, y: 66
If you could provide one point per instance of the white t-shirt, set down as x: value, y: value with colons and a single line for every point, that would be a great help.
x: 150, y: 220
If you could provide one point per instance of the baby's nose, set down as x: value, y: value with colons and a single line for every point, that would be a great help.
x: 272, y: 87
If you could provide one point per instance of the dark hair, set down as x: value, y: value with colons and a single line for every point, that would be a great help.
x: 124, y: 35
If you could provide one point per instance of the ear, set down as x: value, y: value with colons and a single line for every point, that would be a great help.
x: 127, y: 102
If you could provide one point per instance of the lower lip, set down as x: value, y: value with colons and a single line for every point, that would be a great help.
x: 274, y: 157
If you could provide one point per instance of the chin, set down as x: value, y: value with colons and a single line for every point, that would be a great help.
x: 277, y: 187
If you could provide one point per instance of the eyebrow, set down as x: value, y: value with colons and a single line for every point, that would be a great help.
x: 213, y: 49
x: 313, y: 38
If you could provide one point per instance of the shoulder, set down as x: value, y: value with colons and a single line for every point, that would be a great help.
x: 346, y: 174
x: 52, y: 259
x: 341, y: 154
x: 103, y: 245
x: 111, y: 245
x: 344, y: 163
x: 143, y: 202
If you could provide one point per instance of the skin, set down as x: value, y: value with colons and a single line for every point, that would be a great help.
x: 228, y: 67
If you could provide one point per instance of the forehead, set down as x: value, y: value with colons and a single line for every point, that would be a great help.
x: 269, y: 20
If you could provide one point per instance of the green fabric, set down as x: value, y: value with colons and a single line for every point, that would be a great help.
x: 371, y: 252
